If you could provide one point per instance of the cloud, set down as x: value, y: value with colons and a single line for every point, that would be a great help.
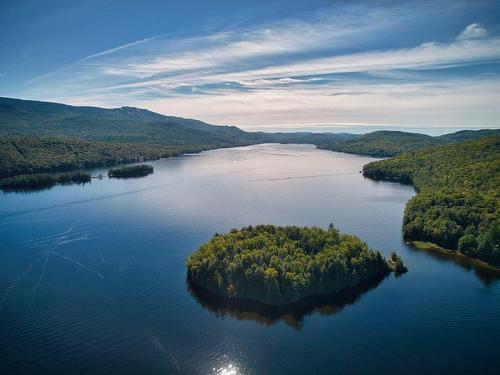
x: 473, y: 31
x: 334, y: 66
x: 225, y: 68
x: 447, y: 102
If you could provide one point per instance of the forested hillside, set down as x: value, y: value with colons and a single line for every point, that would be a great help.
x: 44, y: 155
x: 387, y: 143
x: 458, y: 196
x: 25, y: 118
x: 49, y: 137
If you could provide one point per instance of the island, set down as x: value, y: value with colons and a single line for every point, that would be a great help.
x: 278, y: 266
x: 458, y: 194
x: 131, y: 171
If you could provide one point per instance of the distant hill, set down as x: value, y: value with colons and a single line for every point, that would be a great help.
x: 22, y: 118
x: 387, y: 143
x: 466, y: 135
x: 50, y: 137
x: 27, y: 118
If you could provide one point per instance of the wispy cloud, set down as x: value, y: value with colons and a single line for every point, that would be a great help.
x: 334, y: 66
x: 473, y: 31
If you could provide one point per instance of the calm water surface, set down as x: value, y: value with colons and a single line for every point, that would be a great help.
x: 92, y: 278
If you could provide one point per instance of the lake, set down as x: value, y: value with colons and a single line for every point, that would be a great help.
x: 93, y: 277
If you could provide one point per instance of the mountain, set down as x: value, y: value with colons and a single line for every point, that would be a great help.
x: 387, y: 143
x: 21, y: 118
x: 51, y: 137
x: 466, y: 135
x: 40, y: 137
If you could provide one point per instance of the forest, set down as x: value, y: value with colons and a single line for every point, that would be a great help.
x: 131, y: 171
x: 277, y: 266
x: 387, y: 143
x: 456, y: 206
x: 48, y: 155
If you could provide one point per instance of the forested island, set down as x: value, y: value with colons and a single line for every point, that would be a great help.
x: 277, y: 266
x: 42, y: 181
x: 131, y: 171
x: 458, y: 192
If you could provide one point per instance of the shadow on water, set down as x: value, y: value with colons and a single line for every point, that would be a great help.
x: 485, y: 273
x: 291, y: 314
x: 27, y: 189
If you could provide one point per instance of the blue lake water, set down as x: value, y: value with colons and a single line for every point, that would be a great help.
x: 93, y: 279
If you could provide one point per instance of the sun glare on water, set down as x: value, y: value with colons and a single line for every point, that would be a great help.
x: 230, y: 369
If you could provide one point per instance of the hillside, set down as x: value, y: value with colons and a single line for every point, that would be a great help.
x: 25, y: 118
x: 387, y: 143
x: 466, y: 135
x: 458, y: 196
x: 28, y: 155
x: 40, y: 137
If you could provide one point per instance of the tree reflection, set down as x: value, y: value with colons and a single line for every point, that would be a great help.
x: 484, y: 272
x: 292, y: 314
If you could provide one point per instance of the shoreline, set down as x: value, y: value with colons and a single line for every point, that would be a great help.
x: 432, y: 247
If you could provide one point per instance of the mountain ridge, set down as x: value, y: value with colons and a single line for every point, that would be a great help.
x: 37, y: 136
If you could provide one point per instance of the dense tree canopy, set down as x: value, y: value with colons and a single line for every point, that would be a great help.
x: 131, y: 171
x: 387, y: 143
x: 458, y: 195
x: 281, y: 265
x: 28, y: 155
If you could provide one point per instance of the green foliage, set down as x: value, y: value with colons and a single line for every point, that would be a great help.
x: 131, y: 171
x: 42, y: 181
x: 467, y: 244
x: 48, y: 155
x: 390, y: 143
x: 458, y: 195
x: 396, y: 263
x: 281, y: 265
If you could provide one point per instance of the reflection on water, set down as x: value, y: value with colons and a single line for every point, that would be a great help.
x: 92, y: 278
x: 292, y: 315
x: 487, y: 274
x: 230, y: 369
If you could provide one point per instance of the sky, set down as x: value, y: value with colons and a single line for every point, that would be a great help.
x: 430, y: 66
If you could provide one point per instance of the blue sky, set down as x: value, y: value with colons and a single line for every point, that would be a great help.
x: 262, y: 65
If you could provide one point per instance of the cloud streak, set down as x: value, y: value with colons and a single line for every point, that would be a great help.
x: 330, y: 67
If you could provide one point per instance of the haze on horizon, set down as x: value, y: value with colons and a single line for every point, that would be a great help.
x: 311, y: 65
